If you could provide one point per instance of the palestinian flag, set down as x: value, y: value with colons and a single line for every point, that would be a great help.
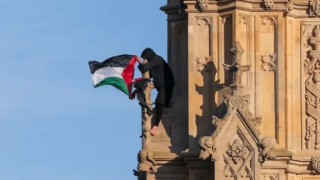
x: 117, y: 71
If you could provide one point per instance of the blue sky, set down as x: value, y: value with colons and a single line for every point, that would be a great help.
x: 53, y: 124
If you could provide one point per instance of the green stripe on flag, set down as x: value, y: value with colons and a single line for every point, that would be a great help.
x: 116, y: 82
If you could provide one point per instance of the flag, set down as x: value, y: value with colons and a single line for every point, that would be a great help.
x: 117, y: 71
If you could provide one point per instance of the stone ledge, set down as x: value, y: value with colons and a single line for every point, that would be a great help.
x: 299, y: 8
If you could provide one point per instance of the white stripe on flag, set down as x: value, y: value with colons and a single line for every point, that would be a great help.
x: 106, y: 72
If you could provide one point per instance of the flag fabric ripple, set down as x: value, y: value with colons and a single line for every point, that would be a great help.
x: 117, y: 71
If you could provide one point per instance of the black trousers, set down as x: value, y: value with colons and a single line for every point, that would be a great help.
x: 162, y: 100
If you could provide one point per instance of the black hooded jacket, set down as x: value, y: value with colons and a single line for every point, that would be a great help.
x: 158, y: 68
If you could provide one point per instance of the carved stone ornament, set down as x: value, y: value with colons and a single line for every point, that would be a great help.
x: 239, y: 158
x: 245, y: 19
x: 146, y: 118
x: 315, y: 161
x: 289, y: 6
x: 238, y: 101
x: 273, y: 20
x: 226, y: 19
x: 268, y: 62
x: 270, y: 177
x: 266, y: 149
x: 236, y: 68
x: 241, y: 103
x: 146, y: 163
x: 206, y: 144
x: 204, y: 21
x: 268, y: 4
x: 312, y: 95
x: 314, y: 7
x: 203, y: 64
x: 237, y: 151
x: 203, y: 5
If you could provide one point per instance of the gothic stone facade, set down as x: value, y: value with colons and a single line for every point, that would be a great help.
x: 251, y: 113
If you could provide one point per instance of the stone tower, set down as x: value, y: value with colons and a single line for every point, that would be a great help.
x: 246, y: 103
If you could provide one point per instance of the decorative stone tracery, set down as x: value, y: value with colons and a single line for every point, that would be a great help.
x: 244, y: 18
x: 280, y: 91
x: 237, y: 151
x: 203, y: 31
x: 270, y: 177
x: 238, y: 158
x: 312, y: 84
x: 315, y: 161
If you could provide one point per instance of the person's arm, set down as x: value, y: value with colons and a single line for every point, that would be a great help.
x: 149, y: 65
x: 138, y: 60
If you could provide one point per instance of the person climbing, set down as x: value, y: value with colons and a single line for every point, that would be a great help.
x: 163, y: 81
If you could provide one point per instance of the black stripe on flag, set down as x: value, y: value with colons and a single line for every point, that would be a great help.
x: 115, y: 61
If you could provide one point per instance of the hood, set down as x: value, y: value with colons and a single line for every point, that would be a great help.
x: 148, y: 53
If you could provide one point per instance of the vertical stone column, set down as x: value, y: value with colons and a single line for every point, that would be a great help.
x: 146, y: 119
x: 147, y: 165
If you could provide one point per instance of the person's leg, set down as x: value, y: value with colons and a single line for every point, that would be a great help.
x: 168, y: 94
x: 160, y: 103
x: 159, y: 110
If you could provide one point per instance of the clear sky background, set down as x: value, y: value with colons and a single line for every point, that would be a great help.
x: 53, y: 124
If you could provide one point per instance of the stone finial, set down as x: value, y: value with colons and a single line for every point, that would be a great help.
x: 237, y: 52
x: 236, y: 68
x: 237, y: 102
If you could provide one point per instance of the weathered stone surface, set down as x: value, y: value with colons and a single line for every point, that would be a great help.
x: 266, y: 110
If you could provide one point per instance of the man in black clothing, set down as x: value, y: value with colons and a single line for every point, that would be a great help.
x: 163, y: 81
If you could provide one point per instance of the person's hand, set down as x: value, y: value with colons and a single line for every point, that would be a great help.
x: 133, y: 95
x: 138, y: 59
